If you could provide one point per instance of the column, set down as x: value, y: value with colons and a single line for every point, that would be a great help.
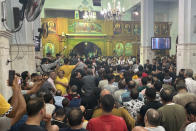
x: 186, y: 49
x: 5, y: 38
x: 147, y: 30
x: 22, y: 48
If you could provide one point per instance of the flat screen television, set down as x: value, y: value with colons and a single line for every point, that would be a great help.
x: 161, y: 43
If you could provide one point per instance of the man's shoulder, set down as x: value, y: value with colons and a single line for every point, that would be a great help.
x: 69, y: 129
x: 117, y: 118
x: 171, y: 106
x: 191, y: 127
x: 26, y: 127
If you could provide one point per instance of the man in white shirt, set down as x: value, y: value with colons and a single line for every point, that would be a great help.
x: 103, y: 82
x: 190, y: 83
x: 110, y: 87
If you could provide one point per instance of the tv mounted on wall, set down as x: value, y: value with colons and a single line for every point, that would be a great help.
x: 161, y: 43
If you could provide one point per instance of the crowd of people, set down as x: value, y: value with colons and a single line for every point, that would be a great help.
x: 101, y: 94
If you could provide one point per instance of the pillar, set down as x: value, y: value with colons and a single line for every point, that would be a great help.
x: 186, y: 49
x: 5, y: 39
x: 9, y: 49
x: 147, y: 30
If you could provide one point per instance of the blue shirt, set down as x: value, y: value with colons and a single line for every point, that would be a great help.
x: 58, y: 100
x: 17, y: 125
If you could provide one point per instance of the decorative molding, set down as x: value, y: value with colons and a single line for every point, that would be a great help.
x: 6, y: 34
x: 23, y: 45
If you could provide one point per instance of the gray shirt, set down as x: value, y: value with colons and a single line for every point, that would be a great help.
x: 46, y: 68
x: 111, y: 88
x: 89, y: 85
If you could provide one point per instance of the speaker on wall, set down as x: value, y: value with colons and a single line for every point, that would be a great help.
x: 16, y: 13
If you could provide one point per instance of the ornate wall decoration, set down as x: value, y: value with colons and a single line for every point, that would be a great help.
x: 162, y: 29
x: 119, y: 49
x: 113, y: 38
x: 128, y: 49
x: 49, y: 48
x: 117, y: 28
x: 84, y: 27
x: 51, y: 27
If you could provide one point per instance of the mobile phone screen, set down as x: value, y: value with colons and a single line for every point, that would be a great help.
x: 11, y: 77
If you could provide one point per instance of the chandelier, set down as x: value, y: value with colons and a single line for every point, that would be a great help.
x: 86, y: 8
x: 89, y: 15
x: 113, y: 12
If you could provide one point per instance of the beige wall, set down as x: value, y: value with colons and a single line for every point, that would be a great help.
x: 25, y: 61
x: 4, y: 68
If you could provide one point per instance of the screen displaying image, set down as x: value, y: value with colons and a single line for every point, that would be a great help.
x: 161, y: 43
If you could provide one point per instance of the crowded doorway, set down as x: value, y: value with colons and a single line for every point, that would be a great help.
x: 86, y: 49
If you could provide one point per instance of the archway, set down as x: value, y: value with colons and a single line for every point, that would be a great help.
x: 87, y: 49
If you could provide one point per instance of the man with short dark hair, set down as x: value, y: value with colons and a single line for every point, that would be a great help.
x: 133, y: 106
x: 89, y: 83
x: 36, y: 113
x: 112, y: 88
x: 150, y: 94
x: 48, y: 86
x: 191, y: 116
x: 75, y: 119
x: 173, y: 115
x: 67, y: 68
x: 59, y: 118
x: 152, y: 120
x: 46, y: 67
x: 144, y: 84
x: 49, y: 100
x: 107, y: 122
x: 158, y: 85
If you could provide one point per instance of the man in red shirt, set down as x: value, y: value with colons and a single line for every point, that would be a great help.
x: 107, y: 122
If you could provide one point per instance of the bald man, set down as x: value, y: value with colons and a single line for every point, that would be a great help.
x: 152, y: 120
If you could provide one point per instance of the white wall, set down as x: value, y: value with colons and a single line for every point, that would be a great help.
x: 168, y: 12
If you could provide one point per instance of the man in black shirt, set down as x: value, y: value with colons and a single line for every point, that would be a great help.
x: 36, y: 113
x: 149, y: 103
x: 59, y: 118
x: 75, y: 119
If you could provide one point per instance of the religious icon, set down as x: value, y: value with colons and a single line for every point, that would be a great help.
x: 49, y: 48
x: 77, y: 17
x: 119, y: 49
x: 128, y: 49
x: 136, y: 30
x: 156, y: 30
x: 127, y: 28
x: 117, y: 28
x: 51, y: 27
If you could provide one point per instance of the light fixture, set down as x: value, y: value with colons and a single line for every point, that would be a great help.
x: 86, y: 8
x: 89, y: 15
x: 136, y: 13
x: 114, y: 12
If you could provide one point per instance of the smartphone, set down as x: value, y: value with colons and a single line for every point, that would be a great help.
x: 11, y: 77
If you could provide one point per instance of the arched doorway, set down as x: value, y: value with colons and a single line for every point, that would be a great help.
x: 87, y: 49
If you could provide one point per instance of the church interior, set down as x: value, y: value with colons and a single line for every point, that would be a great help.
x: 97, y: 65
x: 71, y: 26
